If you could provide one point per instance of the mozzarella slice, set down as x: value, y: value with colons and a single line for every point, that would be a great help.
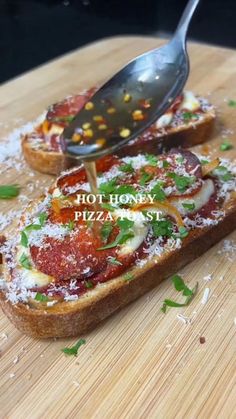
x: 164, y: 120
x: 190, y: 102
x: 30, y: 277
x: 139, y: 228
x: 55, y: 130
x: 199, y: 199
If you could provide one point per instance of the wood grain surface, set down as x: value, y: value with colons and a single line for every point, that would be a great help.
x: 139, y: 363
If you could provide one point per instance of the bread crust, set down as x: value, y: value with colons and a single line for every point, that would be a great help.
x: 49, y: 162
x: 68, y: 319
x: 52, y: 162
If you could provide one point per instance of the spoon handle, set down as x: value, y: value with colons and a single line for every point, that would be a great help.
x: 186, y: 17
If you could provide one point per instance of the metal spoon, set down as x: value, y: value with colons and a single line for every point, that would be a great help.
x: 132, y: 99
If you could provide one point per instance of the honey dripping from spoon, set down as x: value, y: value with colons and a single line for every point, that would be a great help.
x: 91, y: 172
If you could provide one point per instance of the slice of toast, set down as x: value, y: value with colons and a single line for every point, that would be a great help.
x: 188, y: 122
x: 47, y: 292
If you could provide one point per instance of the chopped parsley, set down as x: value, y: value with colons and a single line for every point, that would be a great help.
x: 32, y: 227
x: 182, y: 182
x: 187, y: 116
x: 189, y: 206
x: 223, y: 173
x: 9, y: 191
x: 108, y: 187
x: 113, y: 261
x: 162, y: 228
x: 165, y: 164
x: 42, y: 218
x: 106, y: 231
x: 183, y: 232
x: 226, y: 145
x: 88, y: 284
x: 111, y: 187
x: 180, y: 159
x: 125, y: 233
x: 70, y: 225
x: 180, y: 285
x: 125, y: 189
x: 25, y: 262
x: 74, y: 349
x: 145, y: 177
x: 232, y: 103
x: 151, y: 159
x: 127, y: 168
x: 41, y: 297
x: 107, y: 206
x: 204, y: 161
x: 226, y: 177
x: 186, y: 292
x: 157, y: 193
x: 24, y: 239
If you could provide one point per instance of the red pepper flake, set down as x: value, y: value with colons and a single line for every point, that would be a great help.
x: 144, y: 103
x: 202, y: 340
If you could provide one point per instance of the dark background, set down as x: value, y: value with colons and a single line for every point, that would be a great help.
x: 35, y: 31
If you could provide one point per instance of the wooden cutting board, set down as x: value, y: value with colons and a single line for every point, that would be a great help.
x: 139, y: 363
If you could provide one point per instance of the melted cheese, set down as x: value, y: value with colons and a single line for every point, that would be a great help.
x: 164, y: 120
x: 55, y: 130
x: 199, y: 199
x: 190, y: 102
x: 139, y: 228
x: 30, y: 277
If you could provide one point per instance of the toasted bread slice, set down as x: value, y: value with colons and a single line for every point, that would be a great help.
x: 59, y: 283
x: 44, y: 161
x: 188, y: 122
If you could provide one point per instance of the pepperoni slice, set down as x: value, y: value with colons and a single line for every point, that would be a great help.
x: 74, y: 257
x: 191, y: 165
x: 175, y: 105
x: 79, y: 176
x: 110, y: 271
x: 68, y: 107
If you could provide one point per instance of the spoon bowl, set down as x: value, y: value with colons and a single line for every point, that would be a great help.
x: 132, y: 100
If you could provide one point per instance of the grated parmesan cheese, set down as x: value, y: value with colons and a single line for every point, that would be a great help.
x: 206, y: 295
x: 184, y: 319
